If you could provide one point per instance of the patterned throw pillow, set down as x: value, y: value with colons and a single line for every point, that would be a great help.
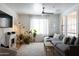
x: 66, y: 40
x: 72, y: 41
x: 61, y: 36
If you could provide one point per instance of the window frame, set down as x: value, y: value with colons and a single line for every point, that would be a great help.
x: 65, y: 31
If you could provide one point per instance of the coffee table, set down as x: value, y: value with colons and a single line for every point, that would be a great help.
x: 48, y: 48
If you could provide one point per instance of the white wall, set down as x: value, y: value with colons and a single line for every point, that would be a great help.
x: 24, y: 21
x: 53, y: 21
x: 9, y: 11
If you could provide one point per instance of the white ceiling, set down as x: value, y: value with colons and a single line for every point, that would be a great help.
x: 32, y: 8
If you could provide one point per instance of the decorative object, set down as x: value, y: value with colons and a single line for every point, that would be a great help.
x: 6, y: 21
x: 24, y: 36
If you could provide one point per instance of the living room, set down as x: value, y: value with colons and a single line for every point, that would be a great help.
x: 36, y: 25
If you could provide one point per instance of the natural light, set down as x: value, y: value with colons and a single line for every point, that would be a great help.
x: 40, y: 25
x: 70, y: 24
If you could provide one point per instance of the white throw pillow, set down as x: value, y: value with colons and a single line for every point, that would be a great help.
x: 64, y: 39
x: 56, y: 36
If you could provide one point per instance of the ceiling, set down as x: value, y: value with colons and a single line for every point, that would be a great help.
x: 34, y: 8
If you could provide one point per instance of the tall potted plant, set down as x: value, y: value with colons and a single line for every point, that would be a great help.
x: 26, y: 38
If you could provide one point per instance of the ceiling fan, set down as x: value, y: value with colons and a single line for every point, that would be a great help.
x: 44, y: 12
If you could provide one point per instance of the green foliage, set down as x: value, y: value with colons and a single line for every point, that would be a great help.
x: 34, y: 33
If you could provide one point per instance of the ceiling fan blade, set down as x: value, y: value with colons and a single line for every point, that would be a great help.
x: 43, y: 11
x: 47, y: 13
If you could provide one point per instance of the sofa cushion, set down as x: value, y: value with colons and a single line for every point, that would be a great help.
x: 55, y: 39
x: 56, y: 42
x: 72, y: 41
x: 62, y: 48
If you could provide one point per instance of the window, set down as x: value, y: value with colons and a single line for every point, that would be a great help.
x: 70, y: 24
x: 64, y: 25
x: 40, y: 25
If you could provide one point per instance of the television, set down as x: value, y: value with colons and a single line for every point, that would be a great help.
x: 5, y: 20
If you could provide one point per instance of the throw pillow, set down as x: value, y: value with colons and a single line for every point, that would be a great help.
x: 67, y: 40
x: 61, y: 36
x: 56, y: 36
x: 76, y: 42
x: 72, y: 41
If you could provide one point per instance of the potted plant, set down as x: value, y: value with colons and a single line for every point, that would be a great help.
x: 34, y: 34
x: 26, y: 38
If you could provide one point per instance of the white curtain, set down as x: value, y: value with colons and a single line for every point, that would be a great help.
x: 40, y: 25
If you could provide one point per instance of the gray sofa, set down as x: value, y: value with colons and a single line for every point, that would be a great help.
x: 65, y: 46
x: 66, y: 49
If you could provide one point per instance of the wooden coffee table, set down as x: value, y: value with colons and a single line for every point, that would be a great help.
x: 48, y: 48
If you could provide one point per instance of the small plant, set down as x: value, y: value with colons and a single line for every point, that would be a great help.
x: 34, y: 33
